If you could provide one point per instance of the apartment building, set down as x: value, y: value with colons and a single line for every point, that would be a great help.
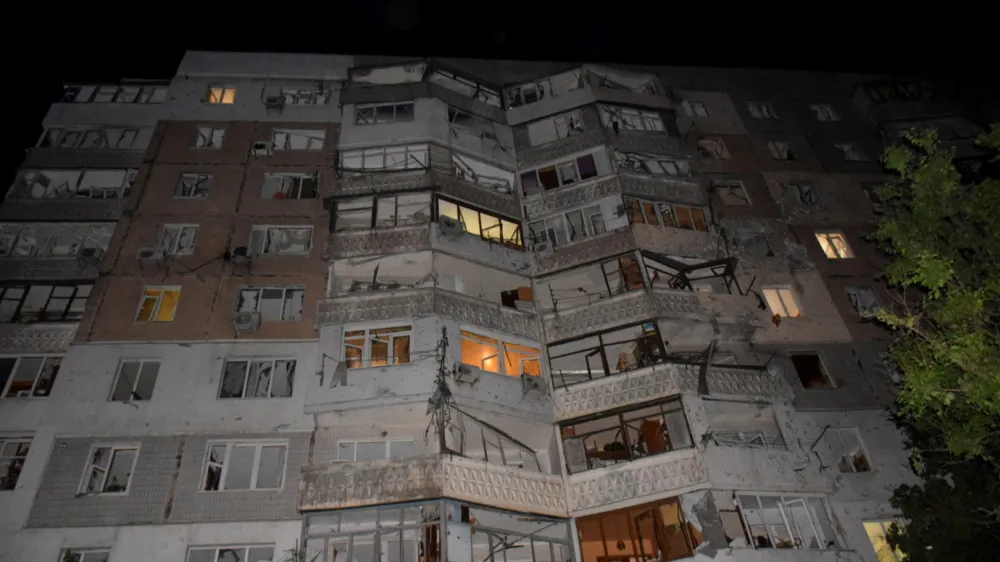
x: 330, y: 308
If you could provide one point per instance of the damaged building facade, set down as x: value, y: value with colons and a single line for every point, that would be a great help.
x: 346, y: 308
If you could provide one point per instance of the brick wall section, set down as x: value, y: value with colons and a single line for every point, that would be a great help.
x: 57, y: 504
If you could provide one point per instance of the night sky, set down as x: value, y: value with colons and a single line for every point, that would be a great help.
x: 47, y: 44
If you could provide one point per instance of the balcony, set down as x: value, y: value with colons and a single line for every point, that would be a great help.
x: 49, y: 269
x: 664, y: 188
x: 348, y: 244
x: 79, y: 209
x: 36, y: 338
x: 48, y: 157
x: 359, y: 484
x: 571, y: 196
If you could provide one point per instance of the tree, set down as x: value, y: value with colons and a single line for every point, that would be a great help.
x: 942, y: 237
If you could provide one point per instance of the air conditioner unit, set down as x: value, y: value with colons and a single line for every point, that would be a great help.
x: 90, y: 255
x: 239, y: 255
x: 450, y: 226
x: 465, y: 374
x: 529, y: 383
x: 149, y: 254
x: 262, y: 148
x: 247, y: 322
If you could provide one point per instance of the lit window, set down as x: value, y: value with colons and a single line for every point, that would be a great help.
x: 852, y: 152
x: 850, y: 452
x: 177, y: 239
x: 782, y: 302
x: 877, y: 532
x: 695, y: 108
x: 732, y: 193
x: 257, y: 378
x: 28, y: 377
x: 158, y: 304
x: 245, y: 465
x: 135, y: 381
x: 273, y: 303
x: 834, y: 245
x: 377, y: 347
x: 86, y: 555
x: 194, y: 186
x: 13, y: 452
x: 811, y: 371
x: 824, y: 112
x: 761, y: 110
x: 209, y: 137
x: 251, y: 553
x: 351, y: 450
x: 110, y: 469
x: 485, y: 353
x: 281, y: 240
x: 481, y: 223
x: 221, y: 94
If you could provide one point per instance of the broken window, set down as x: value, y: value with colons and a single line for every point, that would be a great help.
x: 135, y: 380
x: 281, y: 240
x: 384, y: 159
x: 852, y: 152
x: 465, y: 86
x: 221, y: 95
x: 731, y: 193
x: 558, y: 175
x: 554, y: 86
x: 782, y: 302
x: 294, y: 96
x: 252, y: 553
x: 382, y: 212
x: 158, y: 304
x: 466, y: 120
x: 85, y: 555
x: 834, y: 245
x: 110, y: 469
x: 245, y: 465
x: 108, y: 94
x: 383, y: 113
x: 695, y: 108
x: 864, y: 300
x: 743, y: 424
x: 811, y: 371
x: 781, y: 150
x: 257, y: 378
x: 555, y: 128
x: 625, y: 81
x: 64, y: 184
x: 848, y: 449
x: 395, y: 74
x: 824, y: 112
x: 713, y: 149
x: 476, y: 171
x: 628, y: 119
x: 194, y: 186
x: 654, y: 531
x: 13, y: 452
x: 624, y: 436
x: 495, y: 356
x: 43, y: 303
x: 377, y: 347
x: 568, y: 227
x: 606, y: 354
x: 209, y: 137
x: 298, y: 139
x: 289, y: 186
x: 28, y: 377
x: 761, y: 110
x: 273, y: 303
x: 805, y: 193
x: 29, y: 240
x: 354, y: 450
x: 651, y: 164
x: 481, y: 223
x: 177, y: 239
x: 877, y: 532
x: 666, y: 214
x: 786, y: 522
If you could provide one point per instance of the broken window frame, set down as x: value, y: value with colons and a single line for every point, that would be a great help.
x: 72, y: 310
x: 781, y: 150
x: 781, y: 301
x: 160, y: 295
x: 642, y: 163
x: 528, y: 359
x: 288, y: 296
x: 732, y: 193
x: 282, y: 139
x: 377, y: 219
x: 713, y: 148
x: 465, y: 172
x: 683, y: 275
x: 386, y: 442
x: 517, y: 96
x: 805, y: 193
x: 563, y: 126
x: 559, y: 230
x: 632, y: 446
x: 41, y: 379
x: 252, y: 365
x: 851, y: 152
x: 620, y: 274
x: 208, y: 138
x: 415, y: 157
x: 761, y: 110
x: 87, y: 93
x: 123, y: 389
x: 877, y: 530
x: 461, y: 119
x: 220, y: 95
x: 101, y: 473
x: 506, y: 231
x: 834, y: 245
x: 824, y: 112
x: 358, y: 354
x: 171, y: 235
x: 864, y: 299
x: 304, y: 96
x: 13, y: 453
x: 85, y: 554
x: 225, y: 464
x: 52, y: 240
x: 854, y: 458
x: 28, y: 182
x: 113, y: 136
x: 239, y: 552
x: 621, y: 118
x: 262, y: 239
x: 644, y: 211
x: 463, y: 85
x: 291, y: 185
x: 194, y: 186
x: 652, y: 351
x: 645, y: 526
x: 792, y: 527
x: 556, y: 170
x: 376, y: 109
x: 695, y: 108
x: 824, y: 380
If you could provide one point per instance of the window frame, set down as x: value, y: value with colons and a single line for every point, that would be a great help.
x: 853, y: 292
x: 133, y: 396
x: 780, y: 292
x: 375, y: 113
x: 174, y: 249
x: 801, y: 195
x: 246, y: 377
x: 556, y: 168
x: 298, y: 179
x: 824, y: 112
x: 65, y: 553
x: 691, y: 108
x: 779, y: 148
x: 115, y: 449
x: 203, y: 141
x: 368, y: 333
x: 185, y: 180
x: 634, y: 204
x: 44, y: 314
x: 503, y: 356
x: 515, y: 240
x: 410, y: 162
x: 295, y: 96
x: 601, y: 349
x: 827, y: 240
x: 730, y: 185
x: 84, y: 234
x: 761, y: 110
x: 631, y: 119
x: 851, y: 151
x: 164, y: 289
x: 315, y: 143
x: 266, y: 228
x: 569, y: 235
x: 845, y: 457
x: 13, y: 464
x: 258, y: 445
x: 217, y: 94
x: 244, y: 551
x: 388, y: 441
x: 285, y: 289
x: 787, y: 522
x: 712, y: 154
x: 54, y: 361
x: 373, y: 210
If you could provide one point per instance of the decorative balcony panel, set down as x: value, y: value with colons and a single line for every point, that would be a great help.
x: 659, y: 474
x: 380, y: 305
x: 677, y: 241
x: 532, y: 157
x: 368, y: 184
x: 586, y: 251
x: 678, y: 304
x: 82, y: 158
x: 357, y: 484
x: 633, y: 387
x: 492, y: 316
x: 346, y: 244
x: 36, y: 338
x: 660, y: 188
x: 563, y: 198
x: 746, y: 382
x: 61, y: 209
x: 46, y: 268
x: 607, y: 313
x: 478, y: 195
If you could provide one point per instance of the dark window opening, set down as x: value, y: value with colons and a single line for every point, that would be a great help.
x: 811, y: 371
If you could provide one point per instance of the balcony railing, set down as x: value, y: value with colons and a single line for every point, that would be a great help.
x: 604, y: 488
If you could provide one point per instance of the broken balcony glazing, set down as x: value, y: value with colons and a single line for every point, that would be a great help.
x: 605, y: 354
x: 71, y: 184
x: 35, y: 302
x: 52, y: 240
